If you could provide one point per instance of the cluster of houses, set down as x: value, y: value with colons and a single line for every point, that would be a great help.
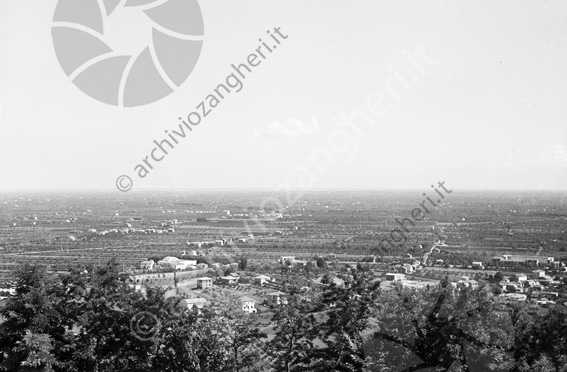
x: 174, y: 263
x: 220, y: 242
x: 231, y: 279
x: 464, y: 282
x: 248, y: 304
x: 292, y: 261
x: 509, y: 260
x: 535, y: 286
x: 5, y: 292
x: 177, y: 264
x: 130, y: 230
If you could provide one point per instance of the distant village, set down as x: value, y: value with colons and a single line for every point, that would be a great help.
x: 526, y: 278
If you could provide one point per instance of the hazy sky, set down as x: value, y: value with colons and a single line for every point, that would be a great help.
x: 472, y: 93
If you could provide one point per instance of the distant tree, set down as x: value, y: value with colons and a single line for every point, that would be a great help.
x: 496, y: 289
x: 309, y: 267
x: 243, y: 263
x: 321, y: 263
x: 498, y: 277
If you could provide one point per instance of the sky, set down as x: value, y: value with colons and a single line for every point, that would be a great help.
x: 359, y: 95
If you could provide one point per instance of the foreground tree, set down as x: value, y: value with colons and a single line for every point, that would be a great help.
x: 34, y: 336
x: 293, y: 339
x: 440, y: 328
x: 229, y: 338
x: 343, y: 333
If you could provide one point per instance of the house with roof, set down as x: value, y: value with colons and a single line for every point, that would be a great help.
x: 147, y: 265
x: 407, y: 269
x: 196, y: 305
x: 539, y: 273
x: 478, y: 265
x: 275, y: 298
x: 176, y: 264
x: 509, y: 260
x: 248, y: 304
x: 466, y: 282
x: 204, y: 282
x: 261, y: 279
x: 512, y: 297
x: 228, y: 280
x: 522, y: 278
x: 394, y: 277
x: 287, y: 259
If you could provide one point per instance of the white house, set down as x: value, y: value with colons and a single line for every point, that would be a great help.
x: 248, y: 305
x: 522, y: 277
x: 395, y: 277
x: 204, y: 282
x: 147, y: 265
x: 196, y: 304
x: 289, y: 259
x: 539, y: 273
x: 261, y: 279
x: 407, y: 269
x: 478, y: 265
x: 176, y: 264
x: 275, y: 298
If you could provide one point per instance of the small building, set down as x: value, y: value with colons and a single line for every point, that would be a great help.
x: 473, y: 284
x: 466, y: 282
x: 393, y: 277
x: 248, y: 305
x: 275, y: 298
x: 512, y: 297
x: 147, y: 265
x: 512, y: 288
x: 509, y: 260
x: 286, y: 259
x: 202, y: 266
x: 261, y: 279
x: 204, y: 282
x: 301, y: 263
x: 478, y: 265
x: 176, y: 264
x: 196, y: 304
x: 522, y: 277
x: 407, y: 269
x: 228, y: 280
x: 417, y: 284
x: 539, y: 273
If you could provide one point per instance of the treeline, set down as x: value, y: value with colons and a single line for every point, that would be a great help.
x: 91, y: 320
